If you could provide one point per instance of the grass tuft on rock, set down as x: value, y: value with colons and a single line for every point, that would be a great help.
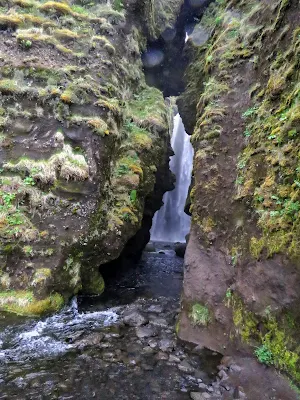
x: 200, y: 314
x: 65, y: 164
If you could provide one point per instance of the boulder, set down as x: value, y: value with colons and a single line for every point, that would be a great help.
x: 150, y: 248
x: 180, y: 249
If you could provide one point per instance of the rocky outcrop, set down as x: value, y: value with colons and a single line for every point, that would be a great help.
x: 84, y: 142
x: 241, y: 284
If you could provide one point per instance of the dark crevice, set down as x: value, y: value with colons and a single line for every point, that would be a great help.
x: 164, y: 59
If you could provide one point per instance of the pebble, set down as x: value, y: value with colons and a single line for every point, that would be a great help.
x: 222, y: 374
x: 19, y: 382
x: 92, y: 339
x: 185, y: 367
x: 235, y: 368
x: 199, y: 396
x: 112, y: 336
x: 202, y: 386
x: 226, y: 387
x: 147, y: 367
x: 134, y: 318
x: 148, y: 350
x: 145, y: 331
x: 174, y: 359
x: 152, y: 343
x: 108, y: 355
x: 166, y: 345
x: 161, y: 356
x: 159, y: 322
x: 155, y: 308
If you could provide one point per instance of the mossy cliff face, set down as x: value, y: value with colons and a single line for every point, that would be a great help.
x: 243, y: 259
x: 154, y: 16
x: 82, y: 138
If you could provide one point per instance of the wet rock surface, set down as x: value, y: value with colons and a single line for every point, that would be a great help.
x: 180, y: 249
x: 133, y: 318
x: 122, y: 346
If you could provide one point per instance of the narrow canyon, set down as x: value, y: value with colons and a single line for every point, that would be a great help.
x: 149, y: 199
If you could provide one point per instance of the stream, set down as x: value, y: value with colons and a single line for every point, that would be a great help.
x: 121, y: 345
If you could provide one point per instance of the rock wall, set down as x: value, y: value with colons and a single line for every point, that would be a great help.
x: 241, y: 282
x: 83, y: 143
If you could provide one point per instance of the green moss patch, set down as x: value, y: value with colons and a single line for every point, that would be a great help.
x: 200, y: 314
x: 14, y: 222
x: 24, y: 303
x: 274, y: 127
x: 148, y: 108
x: 271, y: 338
x: 94, y: 285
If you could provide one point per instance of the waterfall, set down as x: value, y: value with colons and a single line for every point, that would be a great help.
x: 170, y: 223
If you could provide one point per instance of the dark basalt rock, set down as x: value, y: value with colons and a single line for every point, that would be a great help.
x: 82, y: 181
x: 180, y: 249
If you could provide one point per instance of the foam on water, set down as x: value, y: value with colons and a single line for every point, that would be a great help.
x: 48, y: 338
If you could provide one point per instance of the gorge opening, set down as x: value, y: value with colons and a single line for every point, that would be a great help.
x: 171, y: 223
x: 126, y: 335
x: 165, y: 61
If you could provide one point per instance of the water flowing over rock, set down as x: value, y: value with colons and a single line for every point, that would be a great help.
x: 170, y: 223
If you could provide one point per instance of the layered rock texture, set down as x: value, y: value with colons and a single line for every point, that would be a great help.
x: 242, y: 106
x: 83, y: 143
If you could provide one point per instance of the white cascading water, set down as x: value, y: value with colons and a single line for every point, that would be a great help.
x: 48, y: 337
x: 170, y: 223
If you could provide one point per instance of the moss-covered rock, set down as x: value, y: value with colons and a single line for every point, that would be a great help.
x: 81, y: 139
x: 25, y: 303
x: 93, y: 283
x: 274, y: 338
x: 243, y: 90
